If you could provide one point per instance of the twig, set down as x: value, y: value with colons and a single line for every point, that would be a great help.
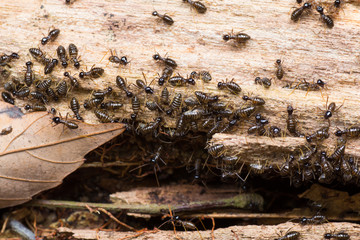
x: 116, y: 220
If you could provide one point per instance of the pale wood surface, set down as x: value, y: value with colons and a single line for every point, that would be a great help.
x: 309, y: 51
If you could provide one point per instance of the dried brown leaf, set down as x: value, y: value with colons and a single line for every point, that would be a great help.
x: 36, y: 155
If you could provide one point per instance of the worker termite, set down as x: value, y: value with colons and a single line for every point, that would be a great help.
x: 39, y: 96
x: 39, y: 55
x: 167, y: 19
x: 49, y: 67
x: 245, y: 112
x: 202, y: 75
x: 6, y: 131
x: 115, y: 59
x: 204, y: 98
x: 73, y: 54
x: 165, y: 76
x: 325, y: 18
x: 53, y: 34
x: 21, y: 93
x: 191, y: 102
x: 330, y: 109
x: 215, y: 128
x: 62, y: 88
x: 351, y: 132
x: 339, y: 150
x: 135, y: 104
x: 327, y: 169
x: 175, y: 104
x: 291, y: 122
x: 73, y: 81
x: 61, y: 52
x: 104, y: 117
x: 293, y: 235
x: 256, y: 101
x: 35, y: 107
x: 29, y: 75
x: 266, y: 82
x: 164, y: 97
x: 66, y: 123
x: 75, y: 107
x: 167, y: 61
x: 51, y: 93
x: 319, y: 135
x: 102, y: 94
x: 111, y: 105
x: 193, y: 115
x: 317, y: 219
x: 92, y: 103
x: 297, y: 13
x: 232, y: 86
x: 141, y: 84
x: 95, y: 72
x: 345, y: 170
x: 150, y: 127
x: 5, y: 59
x: 273, y: 131
x: 7, y: 98
x: 279, y: 69
x: 337, y: 236
x: 238, y: 38
x: 306, y: 86
x: 216, y: 150
x: 180, y: 81
x: 199, y: 7
x: 120, y: 82
x: 228, y: 126
x: 43, y: 85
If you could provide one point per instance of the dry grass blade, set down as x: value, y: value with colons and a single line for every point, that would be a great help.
x: 37, y: 155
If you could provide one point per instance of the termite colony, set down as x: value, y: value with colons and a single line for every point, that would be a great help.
x: 198, y: 115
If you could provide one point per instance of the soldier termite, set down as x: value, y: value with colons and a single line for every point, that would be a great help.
x: 121, y: 83
x: 29, y: 75
x: 319, y: 135
x: 35, y: 107
x: 266, y: 82
x: 73, y: 54
x: 199, y: 7
x: 297, y: 13
x: 167, y: 19
x: 61, y: 52
x: 104, y: 116
x: 66, y: 123
x: 7, y: 98
x: 111, y: 105
x: 165, y: 76
x: 75, y: 107
x: 325, y: 18
x: 141, y: 84
x: 73, y: 81
x: 53, y: 34
x: 279, y: 69
x: 167, y: 61
x: 238, y: 38
x: 6, y: 131
x: 95, y: 72
x: 119, y: 60
x: 202, y: 75
x: 255, y: 101
x: 49, y: 67
x: 232, y: 86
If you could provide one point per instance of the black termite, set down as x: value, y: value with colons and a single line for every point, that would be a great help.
x: 216, y: 150
x: 104, y: 116
x: 66, y: 123
x: 141, y: 84
x: 7, y: 98
x: 135, y: 104
x: 164, y: 97
x: 202, y: 75
x: 327, y: 169
x: 238, y: 38
x: 191, y: 102
x: 29, y: 75
x: 95, y: 72
x: 306, y: 156
x: 232, y: 86
x: 330, y: 109
x: 61, y: 52
x: 339, y: 150
x: 167, y: 61
x: 119, y: 60
x: 337, y: 236
x: 259, y: 127
x: 51, y: 93
x: 291, y: 122
x: 39, y: 56
x: 11, y: 86
x: 6, y: 131
x: 180, y: 81
x: 204, y: 98
x: 228, y: 126
x: 150, y: 127
x: 279, y: 69
x: 165, y: 76
x: 345, y: 170
x: 62, y: 88
x: 167, y: 19
x: 92, y: 103
x: 317, y: 219
x: 199, y: 7
x: 266, y: 82
x: 35, y: 107
x: 256, y: 101
x: 287, y: 167
x: 53, y: 34
x: 325, y: 18
x: 50, y: 66
x: 121, y: 83
x: 274, y: 131
x: 73, y: 54
x: 39, y: 96
x: 293, y: 235
x: 175, y: 104
x: 245, y: 112
x: 351, y: 132
x: 153, y: 105
x: 43, y: 85
x: 297, y: 13
x: 75, y: 107
x: 5, y: 59
x: 111, y: 105
x: 102, y: 94
x: 21, y: 93
x: 319, y: 135
x: 73, y: 81
x: 193, y: 115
